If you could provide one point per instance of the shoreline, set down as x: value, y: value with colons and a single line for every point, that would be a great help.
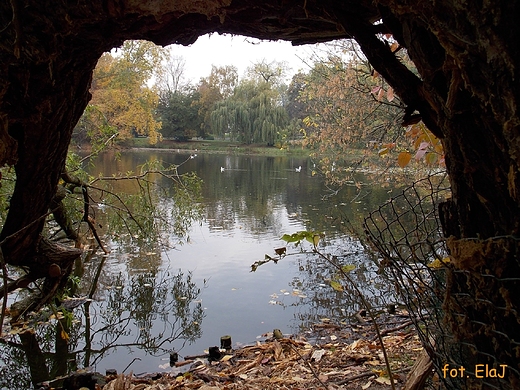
x: 342, y: 357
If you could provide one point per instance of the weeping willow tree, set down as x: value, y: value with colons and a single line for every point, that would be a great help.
x: 270, y: 119
x: 251, y: 115
x: 230, y: 118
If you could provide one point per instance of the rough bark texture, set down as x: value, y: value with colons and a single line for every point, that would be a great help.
x: 468, y: 60
x: 467, y: 93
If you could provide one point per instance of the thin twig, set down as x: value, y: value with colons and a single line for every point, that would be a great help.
x: 368, y: 307
x: 366, y: 374
x: 353, y: 378
x: 132, y: 362
x: 309, y: 365
x: 87, y: 218
x: 99, y: 149
x: 125, y: 209
x: 86, y: 205
x: 27, y: 226
x: 5, y: 294
x: 17, y: 28
x: 94, y: 284
x: 387, y: 331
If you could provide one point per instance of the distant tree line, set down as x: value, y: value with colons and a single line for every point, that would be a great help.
x: 337, y: 93
x: 341, y: 110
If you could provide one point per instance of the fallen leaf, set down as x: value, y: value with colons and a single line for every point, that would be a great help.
x: 390, y: 94
x: 382, y: 152
x: 380, y: 94
x: 403, y: 159
x: 323, y: 378
x: 356, y: 344
x: 317, y: 355
x: 384, y: 380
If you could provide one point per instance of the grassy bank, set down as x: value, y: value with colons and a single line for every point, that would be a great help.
x: 218, y: 146
x: 358, y: 158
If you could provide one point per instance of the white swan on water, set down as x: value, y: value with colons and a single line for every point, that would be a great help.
x: 299, y: 169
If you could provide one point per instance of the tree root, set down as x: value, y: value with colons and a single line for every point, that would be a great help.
x: 54, y: 262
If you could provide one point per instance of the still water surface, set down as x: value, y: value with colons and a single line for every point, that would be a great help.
x: 148, y: 302
x: 248, y: 206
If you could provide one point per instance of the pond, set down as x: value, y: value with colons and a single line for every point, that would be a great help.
x: 146, y: 302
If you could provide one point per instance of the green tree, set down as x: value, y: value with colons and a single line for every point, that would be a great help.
x: 219, y: 85
x: 254, y: 112
x: 178, y: 112
x: 296, y: 109
x: 250, y: 115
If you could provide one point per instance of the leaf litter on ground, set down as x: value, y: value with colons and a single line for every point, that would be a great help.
x: 337, y: 359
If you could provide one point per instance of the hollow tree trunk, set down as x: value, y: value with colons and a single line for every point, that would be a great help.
x: 44, y: 89
x: 48, y: 97
x: 47, y: 115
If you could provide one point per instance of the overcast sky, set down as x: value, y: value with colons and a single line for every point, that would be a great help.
x: 240, y: 51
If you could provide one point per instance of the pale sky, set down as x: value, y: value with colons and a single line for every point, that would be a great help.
x: 240, y: 51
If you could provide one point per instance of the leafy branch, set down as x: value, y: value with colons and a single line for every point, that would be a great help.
x: 314, y: 238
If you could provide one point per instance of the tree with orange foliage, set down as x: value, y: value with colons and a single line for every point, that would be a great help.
x: 344, y: 118
x: 122, y: 102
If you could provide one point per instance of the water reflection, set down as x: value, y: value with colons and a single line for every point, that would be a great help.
x: 317, y: 269
x: 146, y: 300
x: 125, y: 316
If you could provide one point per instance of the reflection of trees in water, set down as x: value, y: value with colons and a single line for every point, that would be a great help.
x: 244, y: 193
x: 126, y: 316
x: 319, y: 300
x: 13, y: 367
x: 133, y: 306
x: 137, y: 307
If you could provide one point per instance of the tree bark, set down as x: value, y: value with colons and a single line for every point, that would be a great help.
x: 468, y: 95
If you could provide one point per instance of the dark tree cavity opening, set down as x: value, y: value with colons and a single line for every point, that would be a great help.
x: 467, y: 93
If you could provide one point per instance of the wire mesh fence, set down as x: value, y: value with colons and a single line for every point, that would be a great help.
x: 440, y: 297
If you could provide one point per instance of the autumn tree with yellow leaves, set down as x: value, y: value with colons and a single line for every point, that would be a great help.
x: 123, y: 104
